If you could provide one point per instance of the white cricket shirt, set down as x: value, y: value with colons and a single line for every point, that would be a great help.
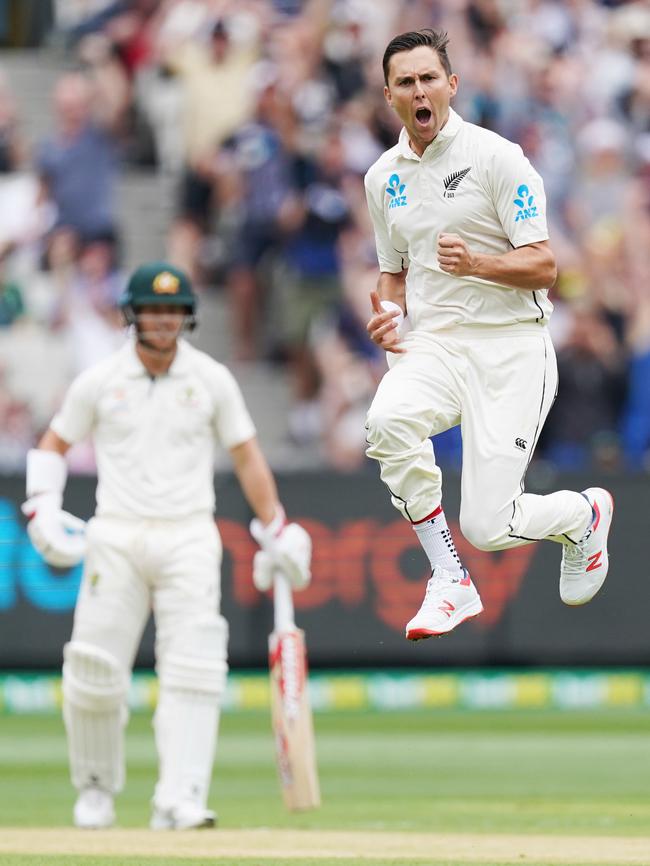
x: 471, y: 182
x: 155, y: 438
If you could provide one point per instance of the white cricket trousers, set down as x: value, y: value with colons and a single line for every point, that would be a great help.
x: 133, y: 566
x: 498, y: 384
x: 136, y: 565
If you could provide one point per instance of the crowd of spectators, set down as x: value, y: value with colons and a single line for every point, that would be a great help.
x: 265, y: 115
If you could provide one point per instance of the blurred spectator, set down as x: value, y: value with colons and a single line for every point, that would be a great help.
x: 12, y: 305
x: 78, y: 163
x: 350, y: 367
x: 16, y: 429
x: 23, y: 220
x: 125, y: 24
x: 544, y: 123
x: 312, y: 281
x: 256, y: 191
x: 24, y: 216
x: 345, y: 52
x: 485, y: 19
x: 634, y: 101
x: 48, y: 287
x: 215, y: 69
x: 583, y: 423
x: 635, y: 428
x: 98, y: 280
x: 13, y: 146
x: 110, y: 83
x: 267, y: 113
x: 599, y: 215
x: 92, y: 318
x: 117, y: 49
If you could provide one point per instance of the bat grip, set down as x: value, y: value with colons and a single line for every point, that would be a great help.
x: 282, y: 602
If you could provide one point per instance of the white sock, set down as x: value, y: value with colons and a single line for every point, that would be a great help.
x: 435, y: 538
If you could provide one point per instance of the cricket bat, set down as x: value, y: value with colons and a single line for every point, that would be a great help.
x: 291, y: 715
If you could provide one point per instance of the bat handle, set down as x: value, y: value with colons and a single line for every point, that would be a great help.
x: 282, y: 602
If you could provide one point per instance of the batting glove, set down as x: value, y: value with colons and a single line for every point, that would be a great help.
x: 287, y: 546
x: 262, y: 571
x: 58, y: 536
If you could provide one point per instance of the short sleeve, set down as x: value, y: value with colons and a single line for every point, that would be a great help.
x: 75, y: 419
x: 233, y: 424
x: 519, y: 197
x: 391, y: 261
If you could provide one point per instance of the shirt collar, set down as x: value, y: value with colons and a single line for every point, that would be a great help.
x: 439, y: 143
x: 134, y: 368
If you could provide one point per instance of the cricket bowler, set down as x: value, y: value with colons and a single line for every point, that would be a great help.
x: 156, y: 411
x: 463, y: 249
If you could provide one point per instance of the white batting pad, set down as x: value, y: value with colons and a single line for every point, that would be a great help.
x: 196, y: 659
x: 95, y: 712
x: 186, y: 726
x: 192, y: 678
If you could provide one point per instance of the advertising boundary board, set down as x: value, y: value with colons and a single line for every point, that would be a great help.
x: 369, y: 578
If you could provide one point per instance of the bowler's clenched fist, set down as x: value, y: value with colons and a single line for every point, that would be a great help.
x: 454, y: 256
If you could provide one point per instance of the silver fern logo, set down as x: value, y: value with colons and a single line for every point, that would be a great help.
x: 453, y: 180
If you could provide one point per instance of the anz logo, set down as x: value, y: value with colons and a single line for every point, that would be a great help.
x: 525, y: 204
x: 395, y: 192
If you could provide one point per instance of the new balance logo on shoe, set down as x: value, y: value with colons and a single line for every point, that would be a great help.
x: 594, y: 561
x: 585, y: 564
x: 521, y: 444
x: 449, y: 600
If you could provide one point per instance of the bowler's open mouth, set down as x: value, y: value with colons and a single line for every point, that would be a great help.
x: 423, y: 115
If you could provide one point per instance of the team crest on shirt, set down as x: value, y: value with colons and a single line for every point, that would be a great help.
x: 188, y: 397
x: 525, y: 202
x: 453, y: 181
x: 116, y: 400
x: 395, y: 192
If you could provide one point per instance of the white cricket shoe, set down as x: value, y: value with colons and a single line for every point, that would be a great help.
x: 184, y: 816
x: 448, y: 601
x: 584, y: 565
x: 94, y: 809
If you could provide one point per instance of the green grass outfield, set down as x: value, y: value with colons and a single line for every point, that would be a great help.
x: 526, y: 774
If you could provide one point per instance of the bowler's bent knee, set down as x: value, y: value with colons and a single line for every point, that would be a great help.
x: 389, y: 433
x: 484, y: 531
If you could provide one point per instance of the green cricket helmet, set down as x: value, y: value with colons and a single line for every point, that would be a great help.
x: 158, y: 283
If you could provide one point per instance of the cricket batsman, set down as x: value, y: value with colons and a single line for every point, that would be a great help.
x: 156, y: 411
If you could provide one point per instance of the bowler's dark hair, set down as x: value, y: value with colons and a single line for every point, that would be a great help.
x: 438, y: 40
